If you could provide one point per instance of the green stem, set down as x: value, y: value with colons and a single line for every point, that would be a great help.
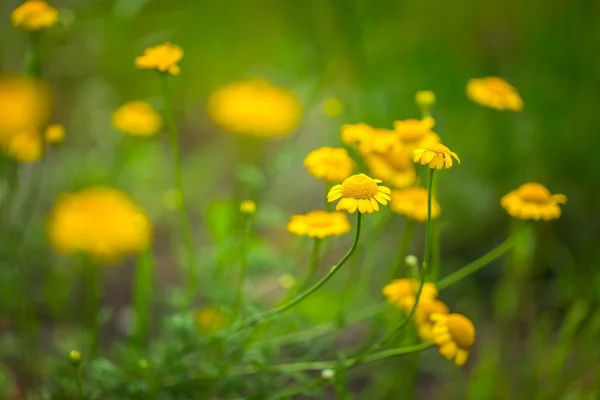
x: 191, y: 268
x: 314, y: 264
x: 286, y: 306
x: 143, y: 284
x: 427, y: 249
x: 435, y: 249
x: 477, y: 264
x: 327, y: 186
x: 33, y: 65
x: 398, y: 264
x: 243, y: 266
x: 77, y: 376
x: 93, y: 304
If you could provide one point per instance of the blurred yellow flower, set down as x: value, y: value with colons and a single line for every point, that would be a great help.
x: 163, y: 58
x: 34, y: 15
x: 414, y: 133
x: 454, y: 334
x: 210, y: 320
x: 495, y: 93
x: 436, y: 155
x: 412, y: 202
x: 255, y: 108
x: 137, y: 118
x: 26, y: 146
x: 55, y: 133
x: 533, y: 201
x: 425, y: 99
x: 425, y: 309
x: 330, y: 164
x: 332, y: 107
x: 367, y: 139
x: 394, y: 166
x: 102, y: 222
x: 402, y: 293
x: 319, y: 224
x: 248, y: 207
x: 359, y: 192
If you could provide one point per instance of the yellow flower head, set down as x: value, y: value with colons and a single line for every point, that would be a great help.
x: 425, y: 309
x: 394, y: 167
x: 163, y: 58
x: 414, y: 133
x: 55, y: 133
x: 319, y: 224
x: 425, y: 99
x: 495, y: 93
x: 210, y: 320
x: 359, y: 192
x: 436, y: 155
x: 402, y: 293
x: 247, y: 207
x: 332, y: 107
x: 34, y: 15
x: 102, y: 222
x: 330, y: 164
x: 533, y: 201
x: 255, y: 108
x: 137, y: 118
x: 454, y: 334
x: 367, y: 139
x: 26, y: 146
x: 412, y: 202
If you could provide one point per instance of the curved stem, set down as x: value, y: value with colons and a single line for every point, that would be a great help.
x: 314, y: 264
x: 142, y: 295
x: 398, y: 264
x: 243, y: 266
x: 286, y: 306
x: 427, y: 248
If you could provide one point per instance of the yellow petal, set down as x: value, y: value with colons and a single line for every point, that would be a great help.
x: 374, y: 204
x: 427, y: 157
x: 439, y: 163
x: 461, y: 358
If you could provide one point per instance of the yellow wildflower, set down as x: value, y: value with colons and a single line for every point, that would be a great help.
x: 425, y: 309
x: 55, y: 133
x: 330, y: 164
x: 454, y: 334
x: 163, y: 58
x: 255, y: 108
x: 248, y: 207
x: 414, y: 133
x: 26, y: 147
x: 425, y: 99
x: 137, y: 118
x: 436, y: 155
x: 319, y: 224
x: 102, y: 222
x: 495, y: 93
x: 367, y: 139
x: 412, y: 202
x: 210, y: 320
x: 359, y: 192
x: 402, y: 293
x: 34, y: 15
x: 394, y: 167
x: 332, y: 107
x: 533, y: 201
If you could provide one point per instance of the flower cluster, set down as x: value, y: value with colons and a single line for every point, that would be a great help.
x: 163, y: 58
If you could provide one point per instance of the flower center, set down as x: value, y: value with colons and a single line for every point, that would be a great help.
x: 534, y: 193
x: 359, y: 187
x: 461, y: 330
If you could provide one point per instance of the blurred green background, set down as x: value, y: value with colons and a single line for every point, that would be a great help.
x: 373, y: 56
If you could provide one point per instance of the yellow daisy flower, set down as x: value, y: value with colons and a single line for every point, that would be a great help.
x: 330, y: 164
x: 102, y: 222
x: 533, y: 201
x: 414, y: 133
x: 163, y: 58
x: 393, y: 166
x: 454, y: 334
x: 425, y: 309
x: 359, y: 192
x: 137, y: 118
x: 367, y: 139
x: 210, y: 320
x: 319, y: 224
x: 26, y: 147
x: 255, y: 108
x: 436, y: 155
x: 402, y: 293
x: 55, y: 133
x: 495, y: 93
x: 34, y: 15
x: 412, y: 202
x: 248, y: 207
x: 332, y: 107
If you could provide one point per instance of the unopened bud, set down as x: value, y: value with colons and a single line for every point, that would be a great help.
x: 411, y: 261
x: 425, y: 99
x: 248, y: 207
x: 143, y: 363
x: 75, y: 357
x: 287, y: 281
x: 328, y: 374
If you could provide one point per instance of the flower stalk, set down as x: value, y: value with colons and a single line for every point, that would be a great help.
x: 243, y: 264
x: 143, y: 284
x: 398, y: 263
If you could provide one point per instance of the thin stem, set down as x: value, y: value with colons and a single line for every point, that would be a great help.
x: 192, y: 279
x: 327, y: 186
x: 398, y: 264
x: 33, y: 65
x: 243, y: 266
x: 93, y: 304
x: 435, y: 249
x: 314, y: 264
x: 286, y: 306
x: 77, y: 376
x: 427, y: 248
x: 143, y: 283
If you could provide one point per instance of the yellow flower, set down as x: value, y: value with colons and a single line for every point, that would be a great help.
x: 55, y: 133
x: 394, y: 167
x: 34, y: 15
x: 425, y: 99
x: 454, y: 334
x: 368, y: 139
x: 210, y: 320
x: 163, y: 58
x: 26, y: 147
x: 255, y: 108
x: 102, y: 222
x: 402, y: 293
x: 137, y: 118
x: 330, y: 164
x: 359, y: 192
x: 425, y: 309
x: 436, y: 155
x: 319, y: 224
x: 332, y: 107
x: 412, y: 202
x: 414, y: 133
x: 533, y: 201
x: 494, y: 92
x: 247, y: 207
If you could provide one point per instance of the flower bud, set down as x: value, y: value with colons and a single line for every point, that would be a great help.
x: 327, y: 374
x: 75, y: 358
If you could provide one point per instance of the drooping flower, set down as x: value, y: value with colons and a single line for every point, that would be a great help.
x: 330, y: 164
x: 359, y: 192
x: 210, y: 320
x: 332, y: 107
x: 414, y: 133
x: 247, y: 207
x: 54, y: 133
x: 393, y: 166
x: 164, y: 58
x: 436, y: 155
x: 367, y: 139
x: 533, y: 201
x: 319, y: 224
x: 495, y: 93
x: 255, y: 108
x: 402, y: 293
x: 137, y: 118
x: 34, y: 15
x: 26, y: 146
x: 454, y: 334
x: 102, y: 222
x: 425, y: 309
x: 412, y: 202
